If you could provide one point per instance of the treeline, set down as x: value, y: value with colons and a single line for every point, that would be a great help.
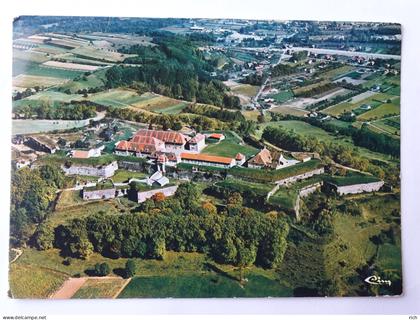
x: 169, y: 121
x: 292, y: 141
x: 174, y: 68
x: 32, y: 192
x: 45, y: 110
x: 253, y: 79
x: 234, y: 235
x: 220, y: 114
x: 316, y: 90
x: 298, y: 56
x: 175, y: 121
x: 282, y: 70
x: 363, y: 137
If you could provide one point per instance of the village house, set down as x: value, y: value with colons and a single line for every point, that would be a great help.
x: 240, y: 159
x: 42, y: 143
x: 207, y: 160
x: 197, y: 143
x: 265, y: 159
x: 216, y: 137
x: 104, y: 171
x: 85, y: 154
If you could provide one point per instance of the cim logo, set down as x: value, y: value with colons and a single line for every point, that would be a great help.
x: 376, y: 280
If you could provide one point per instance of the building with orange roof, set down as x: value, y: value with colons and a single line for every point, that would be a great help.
x: 139, y: 146
x: 216, y: 136
x: 240, y: 159
x: 173, y: 141
x: 207, y: 160
x: 267, y: 159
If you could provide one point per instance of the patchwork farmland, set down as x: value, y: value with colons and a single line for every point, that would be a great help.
x: 204, y: 158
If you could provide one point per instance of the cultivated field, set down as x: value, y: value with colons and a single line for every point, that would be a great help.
x: 30, y: 281
x: 160, y: 104
x: 27, y: 81
x: 372, y: 100
x: 384, y: 110
x: 99, y: 54
x: 70, y: 66
x: 100, y: 288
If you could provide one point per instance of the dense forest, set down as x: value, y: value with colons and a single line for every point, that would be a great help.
x: 179, y: 223
x: 174, y: 68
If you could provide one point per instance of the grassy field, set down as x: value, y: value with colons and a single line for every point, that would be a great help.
x: 28, y: 281
x: 50, y: 96
x: 101, y: 55
x: 311, y: 131
x: 390, y: 125
x: 116, y: 97
x: 35, y: 69
x: 282, y: 96
x: 99, y: 288
x: 125, y: 175
x: 30, y: 55
x: 352, y: 246
x: 94, y: 80
x: 336, y: 73
x: 373, y: 101
x: 27, y: 81
x: 384, y: 110
x: 229, y: 147
x: 264, y: 175
x: 77, y: 208
x: 284, y: 198
x: 289, y: 110
x: 242, y: 186
x: 159, y: 104
x: 251, y: 114
x: 203, y: 286
x: 299, y: 90
x: 245, y: 89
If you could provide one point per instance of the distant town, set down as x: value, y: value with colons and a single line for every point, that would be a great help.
x: 210, y: 158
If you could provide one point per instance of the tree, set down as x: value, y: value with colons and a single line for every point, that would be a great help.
x: 188, y: 195
x: 209, y: 207
x: 52, y: 174
x: 260, y: 118
x: 245, y: 256
x: 102, y: 269
x: 44, y: 237
x: 158, y: 197
x: 130, y: 268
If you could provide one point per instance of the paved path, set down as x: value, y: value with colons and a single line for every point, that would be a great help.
x: 121, y: 289
x: 69, y: 288
x: 18, y: 254
x: 72, y: 285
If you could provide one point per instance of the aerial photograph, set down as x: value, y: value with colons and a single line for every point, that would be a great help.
x: 204, y: 158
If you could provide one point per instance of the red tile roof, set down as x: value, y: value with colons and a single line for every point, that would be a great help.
x: 165, y: 136
x: 263, y: 158
x: 197, y: 138
x: 239, y: 156
x: 140, y: 144
x: 216, y: 136
x: 206, y: 158
x: 80, y: 154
